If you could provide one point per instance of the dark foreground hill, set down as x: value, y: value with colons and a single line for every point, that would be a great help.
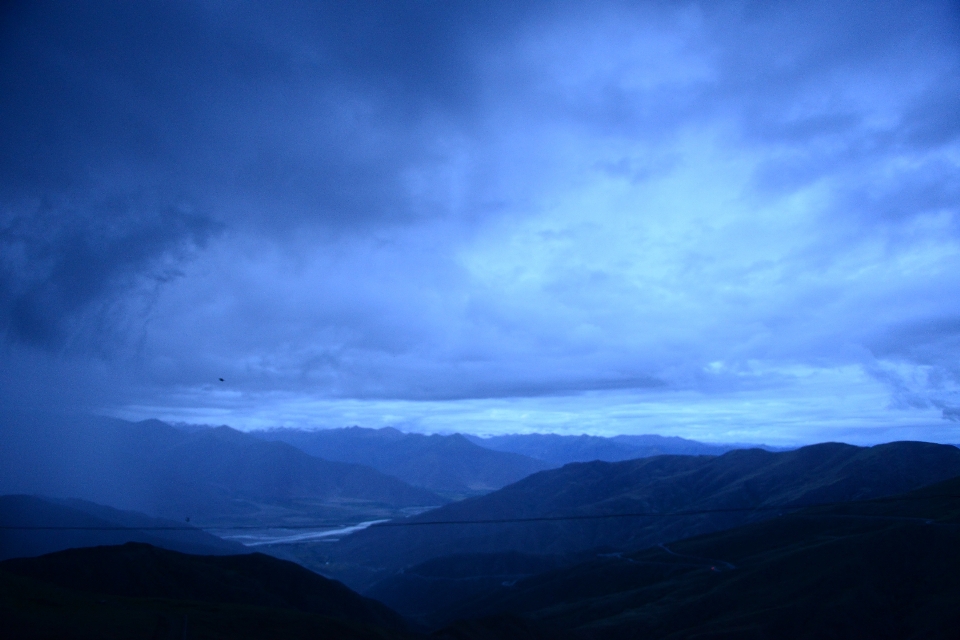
x: 876, y: 569
x: 448, y: 464
x: 424, y: 591
x: 33, y: 526
x: 557, y: 450
x: 586, y: 506
x: 154, y: 468
x: 137, y: 590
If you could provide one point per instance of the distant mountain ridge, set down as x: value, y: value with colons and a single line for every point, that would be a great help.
x: 735, y: 483
x: 463, y: 465
x: 65, y: 524
x: 448, y: 464
x: 558, y: 450
x: 162, y: 471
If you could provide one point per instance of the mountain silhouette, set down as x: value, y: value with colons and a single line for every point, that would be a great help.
x: 138, y: 590
x: 557, y: 450
x: 79, y: 523
x: 884, y: 568
x: 448, y: 464
x: 725, y: 491
x: 166, y: 472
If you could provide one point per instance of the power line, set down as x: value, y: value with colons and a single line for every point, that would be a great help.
x: 420, y: 523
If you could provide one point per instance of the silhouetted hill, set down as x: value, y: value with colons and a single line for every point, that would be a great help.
x: 78, y: 523
x: 559, y: 449
x: 420, y: 591
x: 138, y: 582
x: 734, y: 483
x: 450, y: 464
x: 876, y: 569
x: 152, y: 467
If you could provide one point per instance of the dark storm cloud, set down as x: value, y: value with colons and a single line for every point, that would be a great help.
x: 932, y: 342
x: 830, y: 84
x: 190, y: 101
x: 132, y: 131
x: 59, y: 258
x: 318, y: 101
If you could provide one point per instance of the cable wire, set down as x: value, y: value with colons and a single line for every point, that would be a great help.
x: 420, y: 523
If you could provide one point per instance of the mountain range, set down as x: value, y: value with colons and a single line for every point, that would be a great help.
x: 451, y: 465
x: 584, y: 506
x: 879, y: 568
x: 819, y: 541
x: 884, y: 568
x: 207, y: 474
x: 459, y: 465
x: 557, y: 450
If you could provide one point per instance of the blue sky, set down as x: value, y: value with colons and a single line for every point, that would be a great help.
x: 722, y: 220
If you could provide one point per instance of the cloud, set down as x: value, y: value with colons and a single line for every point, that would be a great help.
x: 59, y: 259
x: 134, y: 132
x: 438, y: 201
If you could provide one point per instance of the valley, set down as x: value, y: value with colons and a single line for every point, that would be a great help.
x: 662, y: 544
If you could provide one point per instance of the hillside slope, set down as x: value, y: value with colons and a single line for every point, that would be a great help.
x: 725, y: 491
x: 33, y: 526
x: 876, y: 569
x: 144, y: 586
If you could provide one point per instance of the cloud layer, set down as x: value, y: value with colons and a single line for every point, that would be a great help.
x: 692, y: 214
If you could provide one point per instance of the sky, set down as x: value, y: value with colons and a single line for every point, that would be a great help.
x: 732, y: 221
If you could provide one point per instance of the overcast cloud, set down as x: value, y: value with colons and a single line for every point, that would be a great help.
x: 726, y: 220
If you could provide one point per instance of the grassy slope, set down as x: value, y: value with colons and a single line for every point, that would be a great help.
x: 738, y: 479
x: 880, y: 569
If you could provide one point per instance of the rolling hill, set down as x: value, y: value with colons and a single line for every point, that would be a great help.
x: 137, y: 590
x: 33, y: 526
x: 884, y: 568
x: 580, y: 506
